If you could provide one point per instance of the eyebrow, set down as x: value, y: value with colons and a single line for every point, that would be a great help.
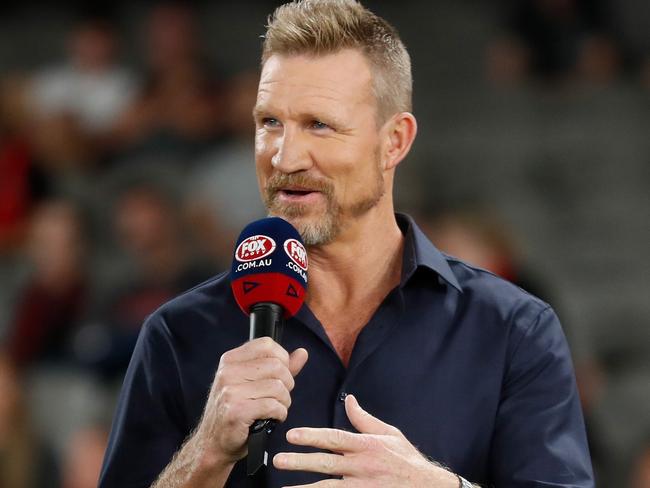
x: 260, y: 111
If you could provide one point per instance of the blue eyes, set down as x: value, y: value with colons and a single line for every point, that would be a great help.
x: 319, y: 125
x: 271, y: 123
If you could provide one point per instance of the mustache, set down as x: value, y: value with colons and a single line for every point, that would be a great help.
x: 282, y: 180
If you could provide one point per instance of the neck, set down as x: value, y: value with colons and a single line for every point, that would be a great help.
x: 366, y: 258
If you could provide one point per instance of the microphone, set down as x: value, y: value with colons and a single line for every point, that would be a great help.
x: 268, y: 281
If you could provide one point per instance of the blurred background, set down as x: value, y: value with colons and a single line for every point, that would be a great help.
x: 126, y: 172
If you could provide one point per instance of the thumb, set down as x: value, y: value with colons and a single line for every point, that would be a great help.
x: 364, y: 422
x: 297, y: 359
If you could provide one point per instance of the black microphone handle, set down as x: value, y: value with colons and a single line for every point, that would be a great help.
x: 266, y: 320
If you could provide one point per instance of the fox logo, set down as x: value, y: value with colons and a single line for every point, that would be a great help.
x: 254, y: 247
x: 297, y: 252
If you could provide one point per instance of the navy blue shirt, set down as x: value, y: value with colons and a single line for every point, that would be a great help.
x: 474, y: 371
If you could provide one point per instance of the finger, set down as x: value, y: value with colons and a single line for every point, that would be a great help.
x: 237, y: 410
x: 329, y: 439
x: 255, y: 370
x: 364, y: 422
x: 314, y: 462
x: 320, y: 484
x: 268, y: 388
x: 257, y: 348
x: 263, y: 408
x: 297, y: 360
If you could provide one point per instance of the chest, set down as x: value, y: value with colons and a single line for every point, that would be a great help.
x: 408, y: 387
x: 343, y: 328
x: 409, y: 363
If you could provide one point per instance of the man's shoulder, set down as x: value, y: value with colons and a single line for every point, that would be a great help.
x: 492, y: 295
x: 206, y: 304
x: 475, y: 289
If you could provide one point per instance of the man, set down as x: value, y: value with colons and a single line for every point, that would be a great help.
x: 465, y: 366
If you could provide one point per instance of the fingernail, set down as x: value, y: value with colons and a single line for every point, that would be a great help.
x: 280, y: 460
x: 354, y: 401
x: 293, y: 435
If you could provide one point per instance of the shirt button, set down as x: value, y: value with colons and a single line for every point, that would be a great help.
x: 342, y: 396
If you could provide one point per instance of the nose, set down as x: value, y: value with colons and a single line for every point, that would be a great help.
x: 292, y: 151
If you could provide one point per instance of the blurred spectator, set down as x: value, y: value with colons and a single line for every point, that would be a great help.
x: 222, y: 190
x: 507, y: 61
x: 24, y: 461
x: 14, y: 191
x: 161, y: 265
x: 554, y: 40
x: 630, y: 21
x: 641, y: 468
x: 77, y: 102
x: 150, y: 231
x: 482, y: 240
x: 52, y: 303
x: 178, y: 111
x: 599, y: 61
x: 14, y: 167
x: 22, y: 182
x: 83, y: 458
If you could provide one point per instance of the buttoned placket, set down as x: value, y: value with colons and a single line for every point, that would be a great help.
x: 371, y: 337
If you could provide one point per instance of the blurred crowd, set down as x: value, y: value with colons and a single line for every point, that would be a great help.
x: 118, y: 191
x: 562, y: 41
x: 122, y: 186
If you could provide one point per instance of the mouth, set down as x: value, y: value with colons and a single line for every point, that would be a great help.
x: 298, y: 195
x: 296, y: 191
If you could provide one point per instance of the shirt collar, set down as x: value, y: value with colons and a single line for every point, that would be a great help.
x: 420, y: 252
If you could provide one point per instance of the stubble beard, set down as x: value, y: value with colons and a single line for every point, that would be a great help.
x: 318, y: 230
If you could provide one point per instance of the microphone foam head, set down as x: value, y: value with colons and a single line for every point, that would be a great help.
x: 270, y: 265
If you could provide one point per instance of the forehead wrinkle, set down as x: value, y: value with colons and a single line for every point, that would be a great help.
x: 306, y: 108
x: 315, y: 91
x: 331, y: 85
x: 298, y: 97
x: 266, y: 99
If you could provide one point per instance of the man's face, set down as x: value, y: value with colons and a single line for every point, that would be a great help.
x: 317, y: 143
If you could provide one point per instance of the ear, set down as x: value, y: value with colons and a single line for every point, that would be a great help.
x: 399, y: 134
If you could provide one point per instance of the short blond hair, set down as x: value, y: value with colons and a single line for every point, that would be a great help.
x: 321, y: 27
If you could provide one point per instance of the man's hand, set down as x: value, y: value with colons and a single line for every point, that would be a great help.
x: 252, y: 382
x: 379, y: 456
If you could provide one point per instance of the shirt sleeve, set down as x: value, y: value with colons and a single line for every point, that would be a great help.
x: 149, y: 424
x: 539, y: 438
